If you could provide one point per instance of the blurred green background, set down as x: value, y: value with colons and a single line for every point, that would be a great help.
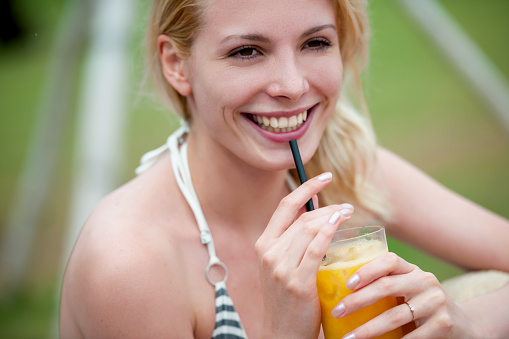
x: 421, y: 108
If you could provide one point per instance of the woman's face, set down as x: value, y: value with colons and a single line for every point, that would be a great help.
x: 263, y: 72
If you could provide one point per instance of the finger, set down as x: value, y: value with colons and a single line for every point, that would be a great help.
x: 309, y: 223
x: 408, y: 286
x: 427, y: 305
x: 295, y: 241
x: 386, y: 264
x: 302, y: 235
x: 290, y: 205
x: 421, y: 290
x: 315, y: 201
x: 318, y: 247
x: 304, y: 208
x: 291, y: 247
x: 433, y: 318
x: 437, y: 327
x: 388, y: 321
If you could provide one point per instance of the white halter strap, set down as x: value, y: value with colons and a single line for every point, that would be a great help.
x: 178, y: 151
x: 177, y: 146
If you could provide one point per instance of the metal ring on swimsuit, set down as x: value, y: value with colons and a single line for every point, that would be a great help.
x: 220, y: 263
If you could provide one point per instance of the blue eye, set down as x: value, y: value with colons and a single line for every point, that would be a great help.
x: 244, y: 52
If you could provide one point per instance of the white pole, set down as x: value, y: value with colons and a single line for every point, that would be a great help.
x: 101, y: 123
x: 464, y: 54
x: 102, y: 113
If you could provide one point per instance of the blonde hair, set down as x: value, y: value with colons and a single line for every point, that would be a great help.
x: 180, y: 20
x: 348, y: 146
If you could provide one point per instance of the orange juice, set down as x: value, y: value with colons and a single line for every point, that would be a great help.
x: 342, y: 260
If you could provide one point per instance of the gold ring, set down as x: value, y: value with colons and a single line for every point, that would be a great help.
x: 411, y: 310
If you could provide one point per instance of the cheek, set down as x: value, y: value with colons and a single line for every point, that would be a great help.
x: 227, y: 89
x: 329, y: 79
x: 217, y: 99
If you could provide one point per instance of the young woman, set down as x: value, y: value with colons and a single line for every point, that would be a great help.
x: 212, y: 214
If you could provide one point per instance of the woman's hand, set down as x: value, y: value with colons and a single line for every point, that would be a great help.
x: 289, y: 254
x: 435, y: 315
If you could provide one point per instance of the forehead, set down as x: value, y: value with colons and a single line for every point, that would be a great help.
x: 266, y: 16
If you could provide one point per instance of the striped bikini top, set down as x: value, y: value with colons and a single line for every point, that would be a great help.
x: 228, y: 325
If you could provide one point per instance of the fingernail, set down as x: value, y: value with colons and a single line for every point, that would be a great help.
x: 346, y: 212
x: 352, y: 282
x: 348, y: 206
x: 338, y: 310
x: 325, y: 176
x: 349, y: 336
x: 335, y: 217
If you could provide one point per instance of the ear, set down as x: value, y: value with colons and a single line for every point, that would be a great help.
x: 173, y: 67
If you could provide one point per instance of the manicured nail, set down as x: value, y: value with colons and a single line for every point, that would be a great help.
x: 346, y: 212
x: 335, y: 217
x: 338, y: 311
x: 352, y: 282
x: 325, y: 176
x: 349, y: 336
x: 348, y: 206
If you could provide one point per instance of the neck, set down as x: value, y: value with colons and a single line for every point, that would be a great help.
x: 231, y: 192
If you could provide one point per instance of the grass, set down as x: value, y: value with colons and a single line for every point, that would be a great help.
x: 29, y: 313
x: 421, y: 109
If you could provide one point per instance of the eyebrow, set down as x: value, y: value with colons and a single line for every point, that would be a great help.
x: 316, y: 29
x: 251, y: 37
x: 261, y: 38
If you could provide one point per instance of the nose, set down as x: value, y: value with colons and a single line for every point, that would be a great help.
x: 287, y: 79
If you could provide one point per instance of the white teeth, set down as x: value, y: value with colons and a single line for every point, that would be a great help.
x: 274, y: 122
x: 292, y: 122
x: 280, y: 125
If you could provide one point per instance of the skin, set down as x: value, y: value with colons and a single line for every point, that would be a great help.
x: 290, y: 70
x: 463, y: 229
x: 135, y: 270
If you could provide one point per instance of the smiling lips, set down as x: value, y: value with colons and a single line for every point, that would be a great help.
x: 279, y: 125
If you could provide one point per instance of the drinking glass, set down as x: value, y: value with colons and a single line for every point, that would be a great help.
x: 348, y: 251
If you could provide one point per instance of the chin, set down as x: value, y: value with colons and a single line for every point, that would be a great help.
x: 280, y: 160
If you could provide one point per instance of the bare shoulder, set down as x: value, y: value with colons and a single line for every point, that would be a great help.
x: 126, y: 276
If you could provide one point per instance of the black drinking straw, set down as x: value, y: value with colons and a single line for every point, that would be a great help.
x: 300, y: 170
